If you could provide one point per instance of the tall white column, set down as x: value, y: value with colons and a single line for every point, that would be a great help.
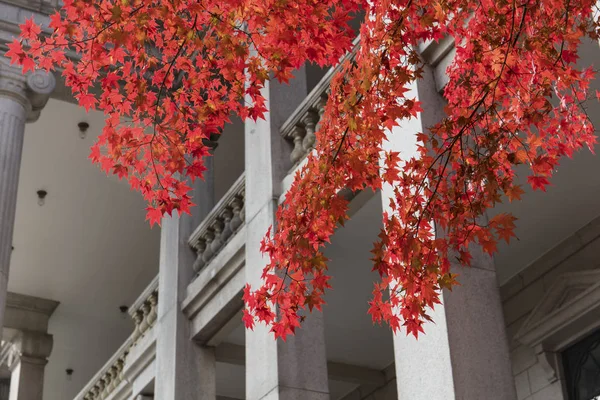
x: 464, y: 354
x: 21, y: 100
x: 277, y: 370
x: 184, y: 370
x: 28, y: 358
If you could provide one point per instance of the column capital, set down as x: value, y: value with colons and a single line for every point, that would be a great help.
x: 32, y: 90
x: 29, y: 347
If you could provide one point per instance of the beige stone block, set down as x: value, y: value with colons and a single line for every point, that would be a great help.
x: 550, y: 392
x: 538, y: 378
x: 522, y: 358
x: 522, y: 385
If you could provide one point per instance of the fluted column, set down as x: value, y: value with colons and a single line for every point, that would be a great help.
x: 22, y: 98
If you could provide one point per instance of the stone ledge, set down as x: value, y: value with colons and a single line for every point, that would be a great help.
x: 28, y: 313
x: 214, y: 297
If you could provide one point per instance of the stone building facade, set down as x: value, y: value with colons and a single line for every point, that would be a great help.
x: 98, y: 306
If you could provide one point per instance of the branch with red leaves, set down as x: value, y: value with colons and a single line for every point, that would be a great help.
x: 171, y: 73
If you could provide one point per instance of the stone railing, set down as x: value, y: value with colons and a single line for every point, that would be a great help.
x: 301, y: 126
x: 144, y: 310
x: 220, y: 224
x: 109, y: 377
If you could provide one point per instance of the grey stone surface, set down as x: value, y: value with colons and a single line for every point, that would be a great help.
x: 296, y: 369
x: 477, y: 337
x: 184, y: 370
x: 464, y: 355
x: 28, y: 313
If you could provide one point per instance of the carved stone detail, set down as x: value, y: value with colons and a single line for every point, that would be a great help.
x: 568, y: 311
x: 32, y: 90
x: 219, y: 226
x: 109, y: 378
x: 305, y: 121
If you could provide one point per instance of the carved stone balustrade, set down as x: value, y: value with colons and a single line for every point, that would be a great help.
x: 144, y: 311
x: 110, y: 376
x: 108, y: 381
x: 220, y: 225
x: 300, y: 127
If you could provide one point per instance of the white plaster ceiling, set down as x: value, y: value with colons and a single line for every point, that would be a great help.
x: 87, y: 247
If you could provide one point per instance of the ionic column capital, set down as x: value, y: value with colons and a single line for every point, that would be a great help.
x: 32, y: 90
x: 30, y: 347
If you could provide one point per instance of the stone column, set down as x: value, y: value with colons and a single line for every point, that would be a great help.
x: 29, y: 355
x: 276, y: 370
x: 464, y: 354
x: 22, y: 98
x: 184, y: 370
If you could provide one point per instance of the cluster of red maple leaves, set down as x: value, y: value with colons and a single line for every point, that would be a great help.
x: 169, y: 74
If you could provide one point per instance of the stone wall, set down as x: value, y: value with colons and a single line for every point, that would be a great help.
x: 523, y: 292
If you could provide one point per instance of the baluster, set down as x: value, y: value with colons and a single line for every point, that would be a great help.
x: 321, y: 109
x: 236, y: 205
x: 145, y: 311
x: 101, y: 387
x: 120, y: 366
x: 114, y: 374
x: 96, y: 391
x: 208, y: 237
x: 226, y: 215
x: 107, y: 383
x: 153, y: 301
x: 218, y: 240
x: 137, y: 319
x: 309, y: 121
x: 199, y: 263
x: 298, y: 134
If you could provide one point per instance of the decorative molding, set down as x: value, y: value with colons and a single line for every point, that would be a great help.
x: 552, y: 258
x: 143, y: 297
x: 568, y: 311
x: 31, y: 303
x: 214, y: 297
x: 31, y: 90
x: 28, y: 347
x: 28, y: 313
x: 299, y: 129
x: 433, y: 52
